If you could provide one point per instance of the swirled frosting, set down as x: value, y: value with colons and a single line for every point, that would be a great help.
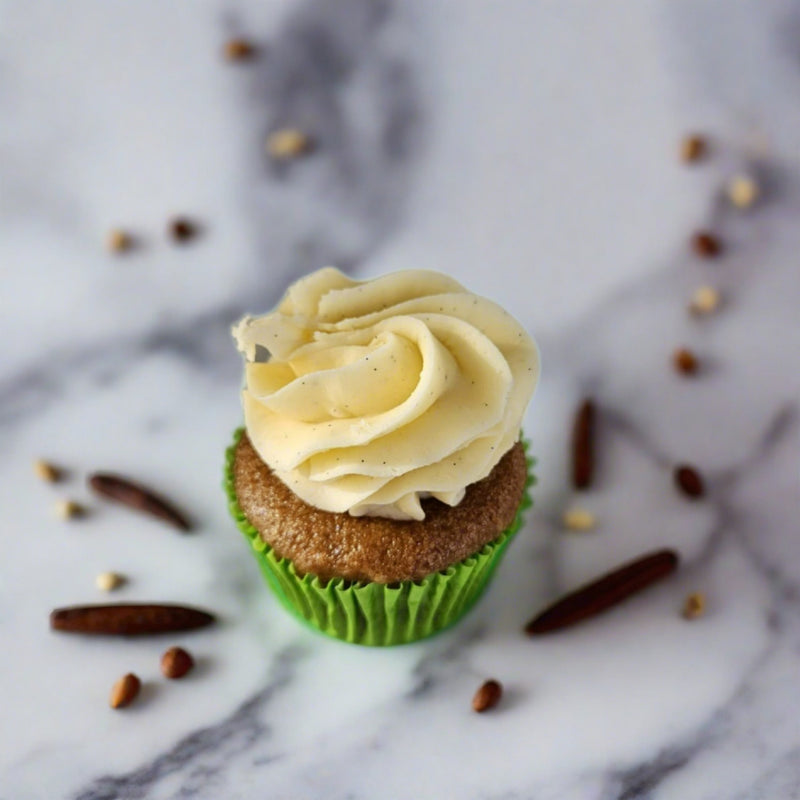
x: 366, y: 396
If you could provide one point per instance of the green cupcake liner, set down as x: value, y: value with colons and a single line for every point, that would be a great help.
x: 377, y: 614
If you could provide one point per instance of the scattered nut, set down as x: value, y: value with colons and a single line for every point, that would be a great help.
x: 693, y: 148
x: 694, y: 605
x: 742, y: 191
x: 176, y: 662
x: 705, y: 300
x: 138, y: 497
x: 68, y: 509
x: 488, y: 696
x: 108, y: 581
x: 583, y: 444
x: 288, y: 143
x: 125, y: 690
x: 685, y: 361
x: 182, y: 230
x: 706, y: 244
x: 689, y: 481
x: 603, y: 593
x: 239, y: 50
x: 119, y: 241
x: 128, y: 619
x: 46, y: 471
x: 579, y: 519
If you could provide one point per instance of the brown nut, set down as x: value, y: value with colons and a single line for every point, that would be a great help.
x: 125, y: 690
x: 685, y: 361
x: 119, y: 241
x: 128, y: 619
x: 706, y: 245
x: 488, y: 696
x: 182, y: 230
x: 138, y: 497
x: 583, y: 445
x: 604, y: 593
x: 693, y: 148
x: 239, y: 50
x: 176, y: 662
x: 689, y: 481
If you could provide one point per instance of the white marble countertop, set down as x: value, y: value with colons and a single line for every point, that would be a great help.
x: 530, y: 149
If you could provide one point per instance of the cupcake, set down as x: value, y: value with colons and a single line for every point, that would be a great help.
x: 380, y: 473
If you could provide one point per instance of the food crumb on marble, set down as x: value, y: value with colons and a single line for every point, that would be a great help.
x: 46, y: 471
x: 176, y: 662
x: 742, y: 191
x: 578, y: 519
x: 239, y: 49
x: 685, y: 361
x: 125, y: 691
x: 288, y: 143
x: 689, y: 481
x: 68, y: 509
x: 706, y: 244
x: 694, y: 605
x: 119, y: 241
x: 182, y: 230
x: 109, y: 581
x: 693, y: 148
x: 487, y: 696
x: 705, y: 300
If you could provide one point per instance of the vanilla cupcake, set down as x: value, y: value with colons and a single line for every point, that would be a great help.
x: 380, y: 473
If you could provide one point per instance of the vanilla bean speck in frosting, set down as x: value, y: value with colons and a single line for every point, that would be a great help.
x: 376, y: 394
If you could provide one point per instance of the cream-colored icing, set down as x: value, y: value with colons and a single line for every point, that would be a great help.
x: 377, y: 393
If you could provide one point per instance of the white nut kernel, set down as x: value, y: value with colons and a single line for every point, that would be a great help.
x: 579, y: 519
x: 742, y: 191
x: 108, y: 581
x: 288, y: 143
x: 45, y: 471
x: 705, y: 300
x: 68, y: 509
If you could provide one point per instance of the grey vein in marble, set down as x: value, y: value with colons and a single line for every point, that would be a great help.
x: 197, y: 759
x: 325, y: 49
x: 329, y: 60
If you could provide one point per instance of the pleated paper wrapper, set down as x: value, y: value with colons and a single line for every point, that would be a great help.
x: 377, y: 614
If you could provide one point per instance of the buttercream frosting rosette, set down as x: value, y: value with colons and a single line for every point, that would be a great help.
x: 385, y: 404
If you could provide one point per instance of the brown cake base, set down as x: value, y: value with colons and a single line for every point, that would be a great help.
x: 373, y: 548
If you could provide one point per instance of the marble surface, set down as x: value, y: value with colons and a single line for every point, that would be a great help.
x: 530, y: 149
